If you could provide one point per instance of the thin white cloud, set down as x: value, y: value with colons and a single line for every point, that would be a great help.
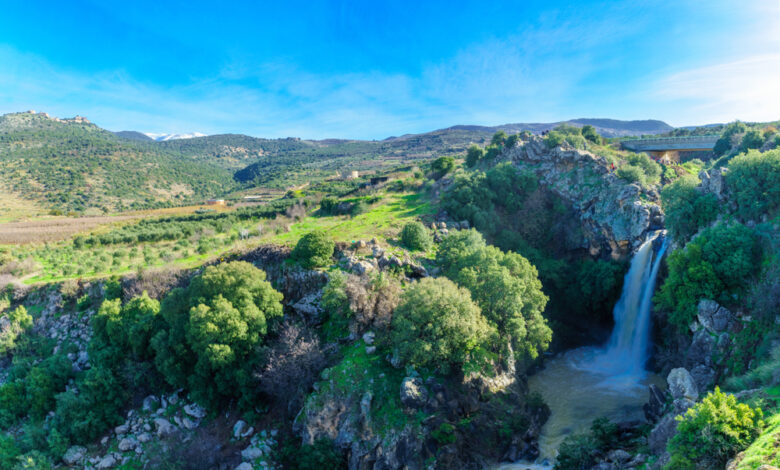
x: 745, y: 89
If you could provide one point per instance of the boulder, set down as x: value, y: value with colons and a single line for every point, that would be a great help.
x: 309, y: 307
x: 144, y: 437
x: 122, y: 429
x: 106, y: 462
x: 703, y: 377
x: 251, y: 453
x: 701, y: 350
x: 681, y: 384
x: 74, y: 455
x: 713, y: 317
x: 618, y: 456
x: 244, y: 466
x: 164, y: 427
x: 661, y: 433
x: 127, y: 444
x: 368, y: 337
x: 195, y: 411
x: 413, y: 393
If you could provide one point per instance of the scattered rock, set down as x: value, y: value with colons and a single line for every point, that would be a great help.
x: 244, y: 466
x: 368, y: 337
x: 618, y: 456
x: 74, y: 455
x: 121, y: 429
x: 106, y: 462
x: 195, y: 411
x: 144, y: 437
x: 661, y: 433
x: 681, y: 384
x: 127, y: 444
x: 238, y: 429
x: 164, y: 427
x: 370, y: 349
x: 655, y: 406
x: 715, y: 318
x: 251, y: 453
x: 413, y: 393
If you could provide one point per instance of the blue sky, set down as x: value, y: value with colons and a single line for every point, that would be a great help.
x: 374, y: 69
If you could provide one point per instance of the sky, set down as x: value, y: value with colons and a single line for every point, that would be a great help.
x: 374, y: 69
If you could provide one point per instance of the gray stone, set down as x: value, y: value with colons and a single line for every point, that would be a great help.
x: 654, y: 408
x: 74, y: 455
x: 195, y: 411
x: 251, y: 453
x: 618, y: 456
x: 370, y: 349
x: 368, y: 337
x: 715, y: 318
x: 106, y: 462
x: 187, y: 423
x: 661, y: 433
x: 413, y: 393
x: 701, y: 350
x: 703, y: 377
x: 127, y: 444
x: 144, y: 437
x: 238, y: 428
x: 244, y: 466
x: 122, y: 429
x: 681, y: 384
x: 164, y: 427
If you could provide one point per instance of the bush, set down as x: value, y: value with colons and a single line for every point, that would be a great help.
x: 14, y: 323
x: 442, y: 165
x: 314, y: 249
x: 751, y: 140
x: 212, y: 331
x: 504, y: 285
x: 577, y: 452
x: 650, y: 169
x: 415, y: 236
x: 473, y: 155
x: 320, y: 455
x: 728, y: 138
x: 631, y: 174
x: 436, y: 325
x: 589, y: 132
x: 713, y: 431
x: 717, y: 265
x: 754, y: 181
x: 554, y: 139
x: 498, y: 138
x: 687, y: 209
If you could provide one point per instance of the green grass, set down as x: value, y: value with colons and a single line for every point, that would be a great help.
x: 765, y: 449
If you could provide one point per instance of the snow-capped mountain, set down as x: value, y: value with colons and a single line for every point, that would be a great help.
x: 164, y: 137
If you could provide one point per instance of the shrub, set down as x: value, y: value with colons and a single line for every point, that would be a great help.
x: 212, y: 331
x: 436, y: 325
x: 12, y: 325
x: 473, y: 155
x: 294, y: 363
x: 504, y: 285
x: 512, y: 140
x: 713, y: 431
x: 687, y: 209
x: 717, y: 265
x: 727, y: 138
x: 576, y: 452
x: 442, y: 165
x: 554, y: 139
x: 650, y: 169
x: 415, y: 236
x: 317, y: 456
x: 631, y: 174
x: 751, y: 140
x: 314, y: 249
x: 498, y: 138
x: 589, y: 132
x: 754, y: 181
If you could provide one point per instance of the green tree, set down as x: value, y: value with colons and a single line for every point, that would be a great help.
x: 504, y: 285
x: 16, y: 322
x: 751, y: 140
x: 436, y: 325
x: 589, y: 132
x: 754, y: 181
x: 712, y: 432
x: 314, y: 249
x: 415, y: 236
x: 443, y: 165
x: 554, y: 139
x: 687, y: 209
x: 631, y: 174
x: 473, y: 155
x: 718, y: 264
x: 498, y: 138
x: 212, y: 331
x: 728, y: 137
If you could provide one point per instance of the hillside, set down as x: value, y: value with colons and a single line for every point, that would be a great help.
x: 73, y: 165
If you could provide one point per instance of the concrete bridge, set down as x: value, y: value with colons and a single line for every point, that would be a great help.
x: 670, y: 147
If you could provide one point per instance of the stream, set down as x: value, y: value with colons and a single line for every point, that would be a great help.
x: 586, y: 383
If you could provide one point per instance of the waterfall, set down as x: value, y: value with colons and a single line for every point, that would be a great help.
x: 628, y: 347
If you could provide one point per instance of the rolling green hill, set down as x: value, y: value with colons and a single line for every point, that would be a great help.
x: 73, y: 165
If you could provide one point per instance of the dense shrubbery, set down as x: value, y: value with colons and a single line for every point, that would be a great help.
x: 12, y: 324
x: 442, y: 165
x: 717, y: 265
x: 754, y: 181
x: 687, y: 209
x: 212, y: 331
x: 415, y: 236
x: 314, y: 249
x: 579, y: 451
x: 729, y: 138
x: 712, y: 432
x: 505, y: 286
x: 436, y: 325
x: 474, y: 154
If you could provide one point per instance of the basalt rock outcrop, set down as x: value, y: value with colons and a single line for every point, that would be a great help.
x: 614, y: 216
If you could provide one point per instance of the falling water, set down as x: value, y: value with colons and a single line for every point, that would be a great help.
x: 627, y: 350
x: 585, y: 383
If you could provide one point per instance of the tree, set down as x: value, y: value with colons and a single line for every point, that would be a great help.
x: 589, y: 132
x: 473, y: 155
x: 443, y: 165
x: 212, y: 331
x: 504, y: 285
x: 12, y: 325
x: 436, y: 325
x: 498, y: 138
x: 554, y: 139
x: 728, y: 137
x: 713, y: 431
x: 314, y: 249
x: 415, y: 236
x: 754, y: 181
x: 687, y: 209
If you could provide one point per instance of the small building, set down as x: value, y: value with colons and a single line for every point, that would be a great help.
x: 350, y: 175
x: 216, y: 202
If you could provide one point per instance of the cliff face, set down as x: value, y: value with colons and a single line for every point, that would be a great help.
x: 614, y: 216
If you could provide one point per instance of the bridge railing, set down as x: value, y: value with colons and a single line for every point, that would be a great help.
x: 670, y: 140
